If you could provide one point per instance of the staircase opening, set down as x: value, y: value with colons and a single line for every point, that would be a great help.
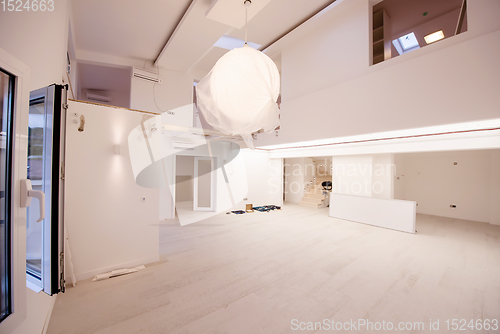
x: 308, y: 181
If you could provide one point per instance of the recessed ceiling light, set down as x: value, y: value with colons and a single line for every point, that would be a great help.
x: 434, y: 37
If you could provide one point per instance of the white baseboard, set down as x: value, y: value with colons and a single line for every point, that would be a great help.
x: 92, y: 273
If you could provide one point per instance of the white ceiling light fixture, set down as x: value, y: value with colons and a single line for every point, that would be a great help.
x: 238, y: 96
x: 434, y: 37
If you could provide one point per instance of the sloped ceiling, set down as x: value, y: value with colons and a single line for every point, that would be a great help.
x: 139, y: 30
x: 126, y: 28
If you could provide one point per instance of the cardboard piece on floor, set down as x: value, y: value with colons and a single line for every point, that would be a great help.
x: 116, y: 273
x: 249, y: 208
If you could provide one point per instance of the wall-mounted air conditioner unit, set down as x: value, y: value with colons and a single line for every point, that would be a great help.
x: 145, y: 75
x: 99, y: 97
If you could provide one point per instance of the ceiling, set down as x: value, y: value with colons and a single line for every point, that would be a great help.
x: 126, y: 28
x: 104, y: 78
x: 406, y: 14
x: 139, y: 30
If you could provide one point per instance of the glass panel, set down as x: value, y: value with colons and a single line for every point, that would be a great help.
x: 408, y: 41
x: 34, y: 230
x: 204, y: 183
x: 6, y: 89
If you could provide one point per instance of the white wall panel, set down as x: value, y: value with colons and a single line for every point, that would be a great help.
x: 393, y: 214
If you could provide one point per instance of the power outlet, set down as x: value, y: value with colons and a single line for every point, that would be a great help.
x: 245, y: 199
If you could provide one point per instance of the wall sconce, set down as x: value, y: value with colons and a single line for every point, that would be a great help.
x: 117, y: 149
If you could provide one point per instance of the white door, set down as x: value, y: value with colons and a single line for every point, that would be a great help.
x: 204, y: 184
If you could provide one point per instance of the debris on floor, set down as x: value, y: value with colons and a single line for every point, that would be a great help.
x: 265, y: 208
x: 116, y: 273
x: 237, y: 212
x: 249, y: 208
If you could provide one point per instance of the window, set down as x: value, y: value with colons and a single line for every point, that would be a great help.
x: 400, y: 27
x: 6, y: 114
x: 45, y: 143
x: 406, y: 43
x: 230, y: 43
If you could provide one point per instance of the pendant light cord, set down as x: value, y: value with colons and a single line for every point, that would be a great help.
x: 247, y: 4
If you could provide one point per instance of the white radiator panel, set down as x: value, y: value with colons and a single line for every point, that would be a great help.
x: 393, y: 214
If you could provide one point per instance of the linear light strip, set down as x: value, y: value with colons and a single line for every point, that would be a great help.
x: 377, y: 139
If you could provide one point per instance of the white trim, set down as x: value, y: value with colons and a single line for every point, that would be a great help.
x: 463, y: 136
x: 32, y: 286
x: 21, y: 110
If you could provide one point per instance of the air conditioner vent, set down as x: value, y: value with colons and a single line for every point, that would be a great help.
x: 146, y: 75
x: 99, y: 97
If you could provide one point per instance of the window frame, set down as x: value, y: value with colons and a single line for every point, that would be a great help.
x: 21, y: 72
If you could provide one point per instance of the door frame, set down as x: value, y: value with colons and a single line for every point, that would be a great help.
x: 213, y: 181
x: 19, y: 171
x: 54, y: 97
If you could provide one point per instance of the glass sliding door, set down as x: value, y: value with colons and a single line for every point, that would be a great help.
x: 45, y: 167
x: 6, y: 148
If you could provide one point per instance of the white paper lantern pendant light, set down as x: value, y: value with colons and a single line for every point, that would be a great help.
x: 238, y: 96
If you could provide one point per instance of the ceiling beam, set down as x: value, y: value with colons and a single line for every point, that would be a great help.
x: 186, y: 12
x: 327, y: 7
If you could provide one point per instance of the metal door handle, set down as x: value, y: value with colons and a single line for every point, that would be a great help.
x: 27, y: 193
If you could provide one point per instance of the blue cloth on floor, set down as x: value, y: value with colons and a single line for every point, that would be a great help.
x: 267, y: 208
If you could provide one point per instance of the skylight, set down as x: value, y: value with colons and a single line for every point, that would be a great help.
x: 408, y: 41
x: 230, y: 43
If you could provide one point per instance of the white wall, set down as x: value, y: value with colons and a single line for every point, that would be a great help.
x: 332, y: 53
x: 176, y: 91
x: 327, y: 74
x: 352, y: 175
x: 399, y: 176
x: 40, y: 41
x: 364, y: 175
x: 294, y: 179
x: 109, y: 226
x: 495, y: 188
x: 264, y: 178
x: 435, y: 183
x: 383, y: 176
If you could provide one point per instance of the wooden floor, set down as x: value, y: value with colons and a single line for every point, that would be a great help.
x: 257, y: 272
